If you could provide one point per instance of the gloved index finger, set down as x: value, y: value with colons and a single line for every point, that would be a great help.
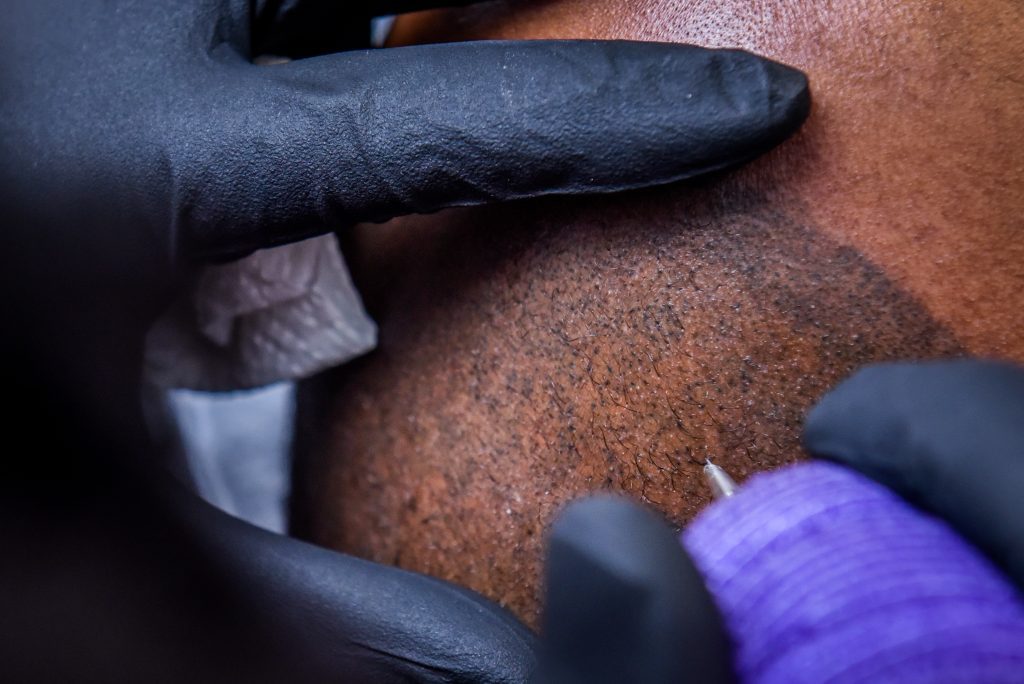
x: 312, y: 145
x: 948, y: 436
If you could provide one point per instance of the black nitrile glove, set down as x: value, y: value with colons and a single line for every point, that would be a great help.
x: 141, y: 132
x: 623, y: 602
x: 948, y: 436
x: 137, y: 139
x: 110, y: 575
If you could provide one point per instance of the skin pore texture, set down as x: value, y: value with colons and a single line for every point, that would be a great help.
x: 535, y: 352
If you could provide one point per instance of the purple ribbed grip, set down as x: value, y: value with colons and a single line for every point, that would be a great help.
x: 824, y: 576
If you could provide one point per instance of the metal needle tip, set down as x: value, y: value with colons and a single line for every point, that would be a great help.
x: 722, y: 486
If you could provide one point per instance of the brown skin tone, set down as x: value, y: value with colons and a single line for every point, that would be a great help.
x: 536, y: 352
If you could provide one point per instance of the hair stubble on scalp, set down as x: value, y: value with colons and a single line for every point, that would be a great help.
x: 536, y: 352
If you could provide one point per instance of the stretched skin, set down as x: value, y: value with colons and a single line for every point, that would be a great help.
x: 535, y: 352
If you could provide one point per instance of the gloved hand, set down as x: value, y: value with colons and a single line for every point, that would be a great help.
x: 948, y: 436
x: 137, y: 136
x: 112, y: 575
x: 820, y: 574
x: 136, y: 139
x: 624, y: 602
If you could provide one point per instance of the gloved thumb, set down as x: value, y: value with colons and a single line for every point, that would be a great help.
x: 624, y: 603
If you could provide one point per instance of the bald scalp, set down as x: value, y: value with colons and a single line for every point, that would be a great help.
x: 911, y: 154
x: 530, y: 356
x: 535, y: 352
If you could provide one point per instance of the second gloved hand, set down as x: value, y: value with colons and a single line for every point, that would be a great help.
x: 807, y: 558
x: 948, y: 436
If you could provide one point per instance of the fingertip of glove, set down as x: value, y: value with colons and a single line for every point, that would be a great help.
x: 623, y: 602
x: 880, y: 400
x: 757, y: 103
x: 855, y: 425
x: 866, y: 399
x: 790, y: 90
x: 609, y: 530
x: 778, y: 92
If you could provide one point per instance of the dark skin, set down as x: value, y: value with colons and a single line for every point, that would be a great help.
x: 536, y: 352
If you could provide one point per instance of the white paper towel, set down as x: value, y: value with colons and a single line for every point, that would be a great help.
x: 279, y: 314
